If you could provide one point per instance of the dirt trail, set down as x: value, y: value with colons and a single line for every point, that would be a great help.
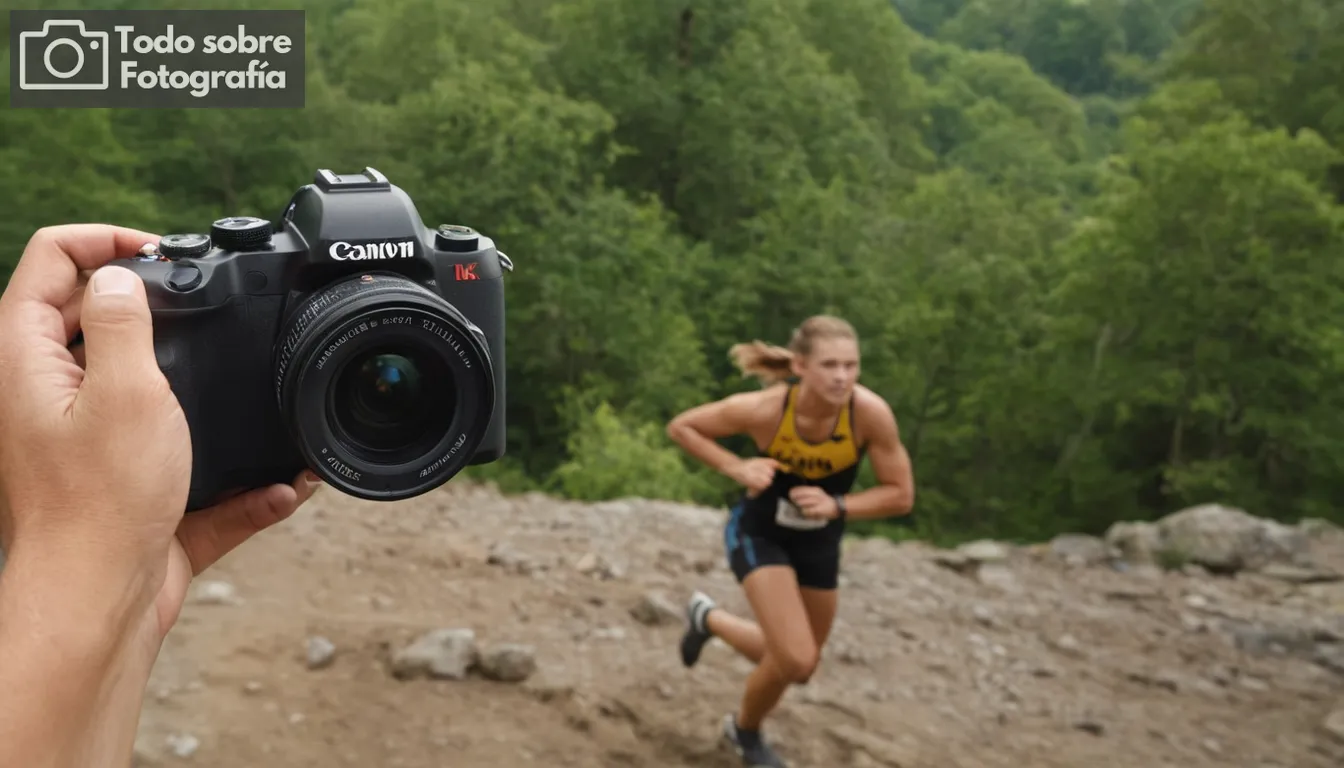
x: 1026, y: 662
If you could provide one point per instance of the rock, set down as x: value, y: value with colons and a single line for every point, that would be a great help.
x: 1330, y: 656
x: 853, y: 655
x: 1264, y: 639
x: 1196, y: 601
x: 1318, y: 528
x: 953, y: 561
x: 442, y: 653
x: 1195, y: 571
x: 1253, y: 684
x: 509, y: 662
x: 997, y: 575
x: 1227, y: 540
x: 596, y: 566
x: 1090, y: 726
x: 216, y: 593
x: 1077, y: 549
x: 1295, y: 574
x: 1161, y: 679
x: 1132, y: 592
x: 1069, y: 646
x: 984, y: 551
x: 1135, y: 543
x: 321, y: 652
x: 503, y: 555
x: 654, y: 608
x: 609, y: 633
x: 1334, y: 724
x: 183, y: 745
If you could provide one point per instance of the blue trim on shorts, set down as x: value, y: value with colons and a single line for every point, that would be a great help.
x: 731, y: 532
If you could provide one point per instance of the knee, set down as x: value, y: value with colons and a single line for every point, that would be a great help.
x: 797, y: 665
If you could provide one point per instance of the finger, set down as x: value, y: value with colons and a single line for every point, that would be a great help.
x: 49, y: 269
x: 70, y: 310
x: 208, y: 535
x: 45, y: 279
x: 118, y: 345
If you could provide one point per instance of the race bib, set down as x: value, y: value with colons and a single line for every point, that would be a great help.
x: 789, y: 515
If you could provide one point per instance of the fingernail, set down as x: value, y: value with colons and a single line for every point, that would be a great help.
x: 113, y: 281
x: 311, y: 480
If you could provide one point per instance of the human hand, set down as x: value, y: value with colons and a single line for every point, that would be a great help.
x: 754, y: 474
x: 95, y: 454
x: 814, y: 502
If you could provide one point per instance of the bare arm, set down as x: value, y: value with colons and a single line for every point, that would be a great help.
x: 73, y: 669
x: 696, y: 429
x: 894, y: 495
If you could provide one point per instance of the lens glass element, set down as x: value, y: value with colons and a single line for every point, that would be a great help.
x: 392, y: 400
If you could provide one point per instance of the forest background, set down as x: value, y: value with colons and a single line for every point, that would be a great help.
x: 1094, y: 248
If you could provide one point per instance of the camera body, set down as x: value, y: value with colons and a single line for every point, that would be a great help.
x: 348, y: 338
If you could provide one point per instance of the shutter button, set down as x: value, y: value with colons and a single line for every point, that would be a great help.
x: 184, y: 278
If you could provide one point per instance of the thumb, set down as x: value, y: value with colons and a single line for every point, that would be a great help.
x: 118, y: 336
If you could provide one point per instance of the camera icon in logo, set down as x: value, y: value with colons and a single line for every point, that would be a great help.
x: 64, y: 56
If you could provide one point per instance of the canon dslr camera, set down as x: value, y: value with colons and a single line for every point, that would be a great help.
x: 349, y: 338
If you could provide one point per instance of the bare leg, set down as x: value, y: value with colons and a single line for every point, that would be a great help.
x: 744, y: 635
x: 791, y: 652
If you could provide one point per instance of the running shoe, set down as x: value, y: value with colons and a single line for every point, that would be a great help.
x: 750, y: 747
x: 697, y: 633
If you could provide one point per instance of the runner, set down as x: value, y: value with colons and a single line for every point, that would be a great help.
x: 813, y: 424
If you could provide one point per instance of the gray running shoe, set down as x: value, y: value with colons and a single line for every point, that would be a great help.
x: 697, y: 634
x: 750, y: 746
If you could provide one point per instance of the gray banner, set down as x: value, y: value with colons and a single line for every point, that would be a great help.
x: 156, y: 59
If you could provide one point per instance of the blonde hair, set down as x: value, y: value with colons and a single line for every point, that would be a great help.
x: 771, y: 363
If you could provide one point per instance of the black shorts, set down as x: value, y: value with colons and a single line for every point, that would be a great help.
x: 815, y: 558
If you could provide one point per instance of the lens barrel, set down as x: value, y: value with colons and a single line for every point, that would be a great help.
x: 387, y: 389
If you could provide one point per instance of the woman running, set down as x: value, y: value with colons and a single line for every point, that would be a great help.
x: 813, y: 424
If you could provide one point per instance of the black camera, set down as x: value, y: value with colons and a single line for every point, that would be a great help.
x: 348, y: 338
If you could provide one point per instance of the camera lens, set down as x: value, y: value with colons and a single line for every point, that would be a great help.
x: 386, y: 387
x: 390, y: 400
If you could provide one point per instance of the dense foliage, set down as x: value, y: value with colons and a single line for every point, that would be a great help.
x: 1094, y: 248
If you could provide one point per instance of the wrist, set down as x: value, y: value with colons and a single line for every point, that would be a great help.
x: 729, y: 466
x: 74, y: 597
x: 80, y: 653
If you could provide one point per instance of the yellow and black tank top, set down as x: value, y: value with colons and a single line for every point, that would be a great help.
x: 831, y: 464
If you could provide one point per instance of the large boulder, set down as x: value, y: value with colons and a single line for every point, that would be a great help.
x: 1134, y: 542
x: 1222, y: 539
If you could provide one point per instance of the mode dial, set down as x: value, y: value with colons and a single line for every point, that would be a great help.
x: 455, y: 238
x: 184, y: 245
x: 241, y: 233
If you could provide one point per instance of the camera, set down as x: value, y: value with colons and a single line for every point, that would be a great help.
x: 348, y: 338
x: 64, y: 56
